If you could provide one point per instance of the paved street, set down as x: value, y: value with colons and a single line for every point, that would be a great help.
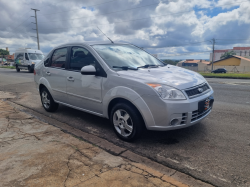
x: 216, y: 150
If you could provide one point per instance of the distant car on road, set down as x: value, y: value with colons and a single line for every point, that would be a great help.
x: 125, y: 84
x: 220, y: 70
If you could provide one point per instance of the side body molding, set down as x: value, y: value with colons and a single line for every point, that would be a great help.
x: 133, y: 97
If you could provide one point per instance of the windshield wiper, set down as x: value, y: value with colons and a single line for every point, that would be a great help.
x: 126, y: 67
x: 149, y: 65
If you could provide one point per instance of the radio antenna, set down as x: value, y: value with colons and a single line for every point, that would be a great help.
x: 104, y: 34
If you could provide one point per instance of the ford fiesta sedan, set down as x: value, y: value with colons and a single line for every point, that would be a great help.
x: 125, y: 84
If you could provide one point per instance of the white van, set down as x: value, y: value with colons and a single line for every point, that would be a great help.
x: 26, y: 58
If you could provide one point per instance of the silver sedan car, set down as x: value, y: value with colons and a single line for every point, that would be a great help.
x: 125, y: 84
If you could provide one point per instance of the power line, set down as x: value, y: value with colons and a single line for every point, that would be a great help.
x: 232, y: 39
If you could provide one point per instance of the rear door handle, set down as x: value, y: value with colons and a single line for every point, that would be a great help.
x: 48, y: 73
x: 70, y: 79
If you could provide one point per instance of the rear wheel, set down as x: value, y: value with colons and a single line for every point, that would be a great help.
x: 47, y: 101
x: 127, y: 122
x: 17, y: 68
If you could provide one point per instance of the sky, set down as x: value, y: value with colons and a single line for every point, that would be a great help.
x: 172, y: 29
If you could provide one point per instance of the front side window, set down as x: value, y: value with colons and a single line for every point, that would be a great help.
x: 80, y: 57
x: 26, y: 56
x: 36, y: 56
x: 59, y: 58
x: 125, y: 55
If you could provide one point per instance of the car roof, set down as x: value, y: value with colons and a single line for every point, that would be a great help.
x: 90, y: 43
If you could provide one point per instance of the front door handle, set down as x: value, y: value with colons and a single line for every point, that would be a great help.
x: 48, y: 73
x: 70, y: 79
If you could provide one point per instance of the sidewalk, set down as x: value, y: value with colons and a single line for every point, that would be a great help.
x: 33, y: 153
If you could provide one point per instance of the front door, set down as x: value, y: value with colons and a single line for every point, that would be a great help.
x: 84, y: 91
x: 55, y: 73
x: 26, y: 60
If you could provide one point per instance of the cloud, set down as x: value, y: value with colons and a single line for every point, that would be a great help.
x: 157, y: 24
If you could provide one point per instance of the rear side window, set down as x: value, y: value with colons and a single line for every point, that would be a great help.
x: 58, y: 59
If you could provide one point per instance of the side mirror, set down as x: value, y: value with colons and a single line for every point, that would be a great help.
x: 88, y: 70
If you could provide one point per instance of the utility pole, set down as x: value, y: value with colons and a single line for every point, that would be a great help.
x: 37, y: 36
x: 213, y: 54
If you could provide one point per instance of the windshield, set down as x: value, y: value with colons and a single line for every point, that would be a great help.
x: 36, y: 56
x: 125, y: 55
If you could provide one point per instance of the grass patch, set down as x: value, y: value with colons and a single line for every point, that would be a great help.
x: 8, y: 67
x: 226, y: 75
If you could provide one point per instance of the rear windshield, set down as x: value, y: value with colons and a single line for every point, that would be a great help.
x: 125, y: 55
x: 36, y: 56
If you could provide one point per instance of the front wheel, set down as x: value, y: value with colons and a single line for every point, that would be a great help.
x: 17, y: 68
x: 47, y: 101
x: 127, y: 121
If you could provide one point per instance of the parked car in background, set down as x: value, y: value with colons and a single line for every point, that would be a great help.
x: 27, y: 58
x: 125, y: 84
x: 220, y: 70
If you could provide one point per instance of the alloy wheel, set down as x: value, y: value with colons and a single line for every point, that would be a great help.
x: 123, y: 123
x: 45, y: 100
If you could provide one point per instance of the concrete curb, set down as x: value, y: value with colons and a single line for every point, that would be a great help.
x: 167, y: 174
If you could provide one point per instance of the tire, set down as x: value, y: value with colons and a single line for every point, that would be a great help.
x: 126, y: 121
x: 17, y: 69
x: 30, y: 69
x: 47, y: 101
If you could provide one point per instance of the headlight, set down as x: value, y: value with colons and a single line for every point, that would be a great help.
x: 32, y: 62
x: 167, y: 92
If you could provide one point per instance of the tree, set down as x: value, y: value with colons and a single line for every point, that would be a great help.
x: 172, y: 62
x: 228, y: 54
x: 4, y: 52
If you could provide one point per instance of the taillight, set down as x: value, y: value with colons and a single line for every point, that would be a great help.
x: 34, y: 72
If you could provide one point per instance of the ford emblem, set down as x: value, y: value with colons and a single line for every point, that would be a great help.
x: 200, y: 90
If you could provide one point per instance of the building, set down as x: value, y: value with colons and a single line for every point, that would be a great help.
x: 191, y: 63
x: 10, y: 58
x: 233, y: 61
x: 231, y: 64
x: 240, y: 51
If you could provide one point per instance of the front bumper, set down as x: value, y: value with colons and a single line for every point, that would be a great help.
x: 185, y: 112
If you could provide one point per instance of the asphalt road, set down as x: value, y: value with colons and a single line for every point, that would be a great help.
x: 217, y: 150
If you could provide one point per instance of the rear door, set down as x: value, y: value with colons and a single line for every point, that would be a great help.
x: 84, y: 91
x: 55, y: 73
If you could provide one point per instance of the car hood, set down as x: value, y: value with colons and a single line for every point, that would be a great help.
x: 173, y: 76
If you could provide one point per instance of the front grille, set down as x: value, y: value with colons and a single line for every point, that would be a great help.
x: 196, y: 115
x: 195, y: 91
x: 184, y: 118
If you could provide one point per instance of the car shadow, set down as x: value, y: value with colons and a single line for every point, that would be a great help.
x: 103, y: 128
